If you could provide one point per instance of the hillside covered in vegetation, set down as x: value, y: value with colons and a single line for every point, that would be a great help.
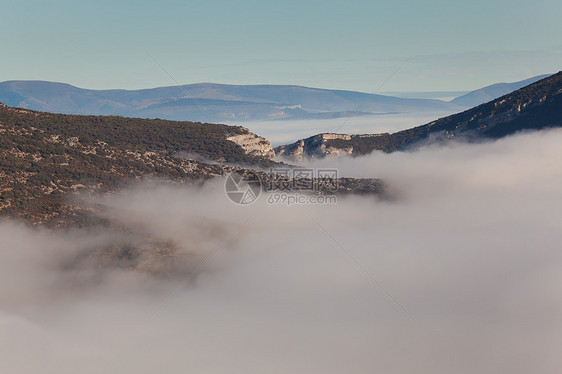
x: 45, y: 156
x: 534, y: 107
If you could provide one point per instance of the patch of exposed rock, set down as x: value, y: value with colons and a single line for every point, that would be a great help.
x: 313, y: 147
x: 253, y: 145
x: 320, y: 146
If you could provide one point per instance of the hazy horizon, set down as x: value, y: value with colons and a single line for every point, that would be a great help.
x: 444, y: 95
x: 355, y: 46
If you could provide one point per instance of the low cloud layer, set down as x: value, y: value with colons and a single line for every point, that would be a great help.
x: 470, y: 248
x: 285, y: 132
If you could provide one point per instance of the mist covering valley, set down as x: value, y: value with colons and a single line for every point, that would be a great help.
x: 266, y: 187
x: 458, y: 273
x: 285, y: 132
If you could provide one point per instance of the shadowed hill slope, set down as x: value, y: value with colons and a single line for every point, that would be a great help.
x: 534, y: 107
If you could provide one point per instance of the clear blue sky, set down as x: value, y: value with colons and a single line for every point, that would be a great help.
x: 355, y: 45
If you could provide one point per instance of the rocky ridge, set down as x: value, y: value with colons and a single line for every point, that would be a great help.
x: 534, y: 107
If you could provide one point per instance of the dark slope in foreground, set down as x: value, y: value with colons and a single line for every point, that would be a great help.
x: 533, y: 107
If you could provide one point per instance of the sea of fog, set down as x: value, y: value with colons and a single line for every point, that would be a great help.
x: 288, y: 131
x: 459, y: 273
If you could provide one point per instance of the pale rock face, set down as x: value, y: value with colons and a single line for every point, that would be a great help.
x: 314, y: 147
x: 292, y: 152
x: 253, y: 144
x: 324, y: 137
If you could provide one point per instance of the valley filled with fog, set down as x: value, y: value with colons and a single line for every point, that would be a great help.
x: 284, y: 132
x: 457, y: 271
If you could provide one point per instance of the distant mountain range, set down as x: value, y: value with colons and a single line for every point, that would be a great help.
x: 534, y: 107
x: 488, y: 93
x: 439, y: 95
x: 208, y: 102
